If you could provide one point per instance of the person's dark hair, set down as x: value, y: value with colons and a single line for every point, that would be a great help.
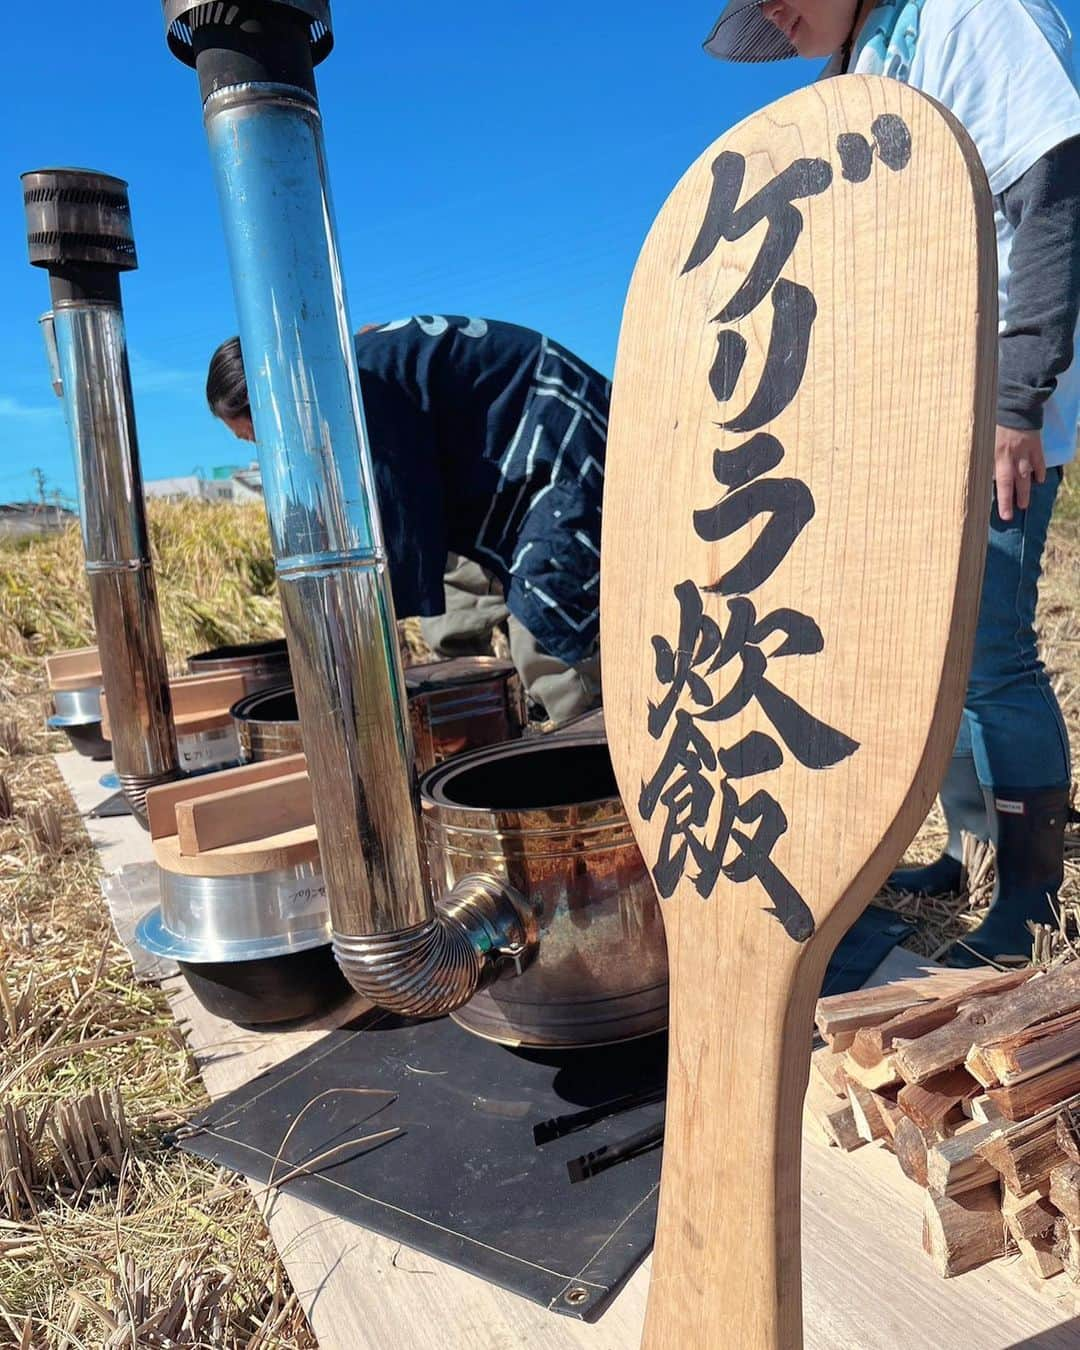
x: 226, y: 383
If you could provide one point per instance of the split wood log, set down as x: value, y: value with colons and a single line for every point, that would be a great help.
x: 1023, y: 1100
x: 954, y: 1166
x: 1025, y: 1154
x: 1065, y: 1191
x: 1068, y: 1132
x: 890, y: 1112
x: 911, y: 1149
x: 1040, y: 1257
x: 932, y: 1103
x: 806, y: 784
x: 840, y: 1018
x: 1048, y: 995
x: 832, y: 1115
x: 830, y: 1067
x: 983, y: 1110
x: 868, y: 1118
x: 1028, y: 1216
x: 1067, y: 1246
x: 873, y: 1079
x: 962, y: 1233
x: 871, y: 1043
x: 1036, y: 1050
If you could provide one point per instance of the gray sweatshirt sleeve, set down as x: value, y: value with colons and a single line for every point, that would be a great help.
x: 1043, y: 298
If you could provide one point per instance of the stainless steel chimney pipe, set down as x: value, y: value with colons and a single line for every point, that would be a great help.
x: 79, y: 229
x: 255, y: 61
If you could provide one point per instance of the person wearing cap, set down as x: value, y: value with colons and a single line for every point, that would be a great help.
x: 487, y: 444
x: 1004, y: 69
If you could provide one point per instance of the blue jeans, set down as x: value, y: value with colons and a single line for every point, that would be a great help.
x: 1012, y: 724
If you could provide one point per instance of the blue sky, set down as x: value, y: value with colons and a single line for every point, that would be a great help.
x: 495, y: 158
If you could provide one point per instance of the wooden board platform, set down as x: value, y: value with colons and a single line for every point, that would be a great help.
x: 867, y: 1285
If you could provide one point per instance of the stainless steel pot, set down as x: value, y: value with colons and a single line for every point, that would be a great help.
x: 545, y: 815
x: 264, y: 664
x: 255, y: 948
x: 238, y: 918
x: 454, y: 706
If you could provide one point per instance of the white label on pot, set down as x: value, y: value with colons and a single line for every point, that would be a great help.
x: 209, y: 749
x: 306, y: 899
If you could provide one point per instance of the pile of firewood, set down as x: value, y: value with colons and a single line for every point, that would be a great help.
x: 972, y: 1079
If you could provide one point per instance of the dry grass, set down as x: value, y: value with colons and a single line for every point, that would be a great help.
x: 108, y: 1237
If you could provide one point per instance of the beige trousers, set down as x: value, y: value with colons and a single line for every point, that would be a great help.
x: 474, y: 608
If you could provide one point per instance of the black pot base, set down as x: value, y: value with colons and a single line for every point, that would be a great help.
x: 269, y: 990
x: 88, y: 741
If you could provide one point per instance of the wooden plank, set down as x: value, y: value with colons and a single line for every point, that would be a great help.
x: 75, y: 669
x: 679, y: 575
x: 161, y: 802
x: 239, y: 815
x: 1049, y: 995
x: 193, y: 694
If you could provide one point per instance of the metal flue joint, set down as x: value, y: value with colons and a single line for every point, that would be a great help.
x: 255, y: 60
x: 79, y: 229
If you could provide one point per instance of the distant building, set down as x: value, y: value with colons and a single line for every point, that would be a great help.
x: 19, y: 520
x: 227, y: 483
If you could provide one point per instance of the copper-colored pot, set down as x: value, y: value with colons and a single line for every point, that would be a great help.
x: 545, y: 815
x: 463, y: 704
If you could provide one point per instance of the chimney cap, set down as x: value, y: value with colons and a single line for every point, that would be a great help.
x: 182, y: 17
x: 78, y: 216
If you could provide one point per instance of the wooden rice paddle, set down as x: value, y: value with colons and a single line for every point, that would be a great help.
x: 799, y: 473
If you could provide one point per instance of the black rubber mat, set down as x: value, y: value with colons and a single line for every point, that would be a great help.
x: 464, y: 1181
x: 116, y: 805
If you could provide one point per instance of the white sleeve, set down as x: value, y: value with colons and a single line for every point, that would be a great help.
x: 1004, y: 68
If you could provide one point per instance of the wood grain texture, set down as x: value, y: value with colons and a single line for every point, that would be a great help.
x: 863, y: 578
x: 76, y: 669
x: 161, y: 802
x: 240, y: 815
x: 1050, y: 994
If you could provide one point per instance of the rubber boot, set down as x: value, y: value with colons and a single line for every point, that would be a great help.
x: 1028, y: 829
x: 965, y: 813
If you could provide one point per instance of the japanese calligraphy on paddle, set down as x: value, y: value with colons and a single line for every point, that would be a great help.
x: 717, y: 820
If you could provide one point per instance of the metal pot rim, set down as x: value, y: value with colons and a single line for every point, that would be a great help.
x: 154, y: 937
x: 431, y: 783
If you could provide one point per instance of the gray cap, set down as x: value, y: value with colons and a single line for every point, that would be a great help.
x: 743, y: 33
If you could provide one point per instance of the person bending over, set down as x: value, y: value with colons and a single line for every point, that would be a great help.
x: 487, y: 442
